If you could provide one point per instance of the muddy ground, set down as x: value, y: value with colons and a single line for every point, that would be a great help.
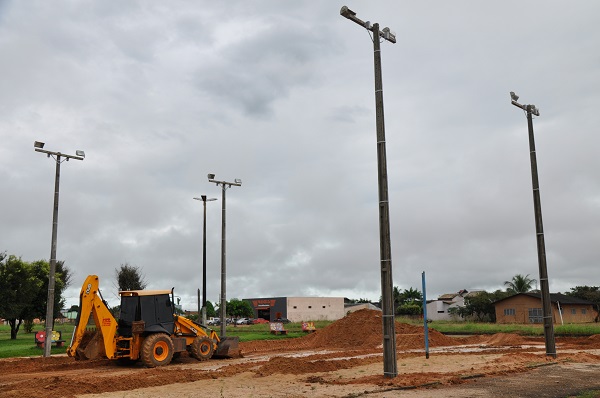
x: 342, y: 360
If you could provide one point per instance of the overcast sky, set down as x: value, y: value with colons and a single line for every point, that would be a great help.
x: 281, y: 95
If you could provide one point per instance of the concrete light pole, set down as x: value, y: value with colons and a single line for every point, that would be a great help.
x: 224, y: 185
x: 58, y: 158
x: 390, y: 367
x: 203, y: 309
x: 539, y: 230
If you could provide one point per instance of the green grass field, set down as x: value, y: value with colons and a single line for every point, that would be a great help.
x: 24, y: 345
x: 586, y: 329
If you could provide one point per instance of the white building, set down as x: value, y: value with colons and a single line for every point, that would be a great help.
x: 437, y: 310
x: 298, y: 309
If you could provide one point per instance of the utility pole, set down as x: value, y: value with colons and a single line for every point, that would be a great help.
x: 80, y: 155
x: 224, y: 185
x: 390, y: 366
x: 539, y: 231
x: 203, y: 310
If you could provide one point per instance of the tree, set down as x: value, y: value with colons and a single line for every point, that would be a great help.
x: 519, y: 284
x: 410, y: 302
x: 62, y: 280
x: 359, y: 301
x: 397, y: 296
x: 411, y: 296
x: 129, y: 277
x: 18, y: 289
x: 480, y: 306
x: 406, y: 297
x: 210, y: 310
x: 409, y: 309
x: 24, y: 290
x: 590, y: 293
x: 239, y: 308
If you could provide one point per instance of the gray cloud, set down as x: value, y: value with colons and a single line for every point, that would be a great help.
x: 281, y: 96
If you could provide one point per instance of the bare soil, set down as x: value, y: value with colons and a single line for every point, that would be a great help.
x: 342, y: 360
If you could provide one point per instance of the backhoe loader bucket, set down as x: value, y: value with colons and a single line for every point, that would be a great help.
x: 229, y: 347
x: 91, y: 346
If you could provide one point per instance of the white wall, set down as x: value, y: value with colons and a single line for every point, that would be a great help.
x: 315, y: 308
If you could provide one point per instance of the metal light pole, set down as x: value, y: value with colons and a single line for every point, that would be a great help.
x: 224, y: 185
x: 390, y: 367
x: 539, y: 229
x: 79, y: 155
x: 204, y: 200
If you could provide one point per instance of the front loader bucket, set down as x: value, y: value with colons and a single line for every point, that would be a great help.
x: 91, y: 346
x: 229, y: 347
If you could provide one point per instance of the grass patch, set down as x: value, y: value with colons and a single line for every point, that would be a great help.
x: 587, y: 394
x: 24, y: 345
x: 448, y: 327
x: 263, y: 332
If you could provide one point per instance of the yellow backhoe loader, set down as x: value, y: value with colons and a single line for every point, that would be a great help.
x: 148, y: 330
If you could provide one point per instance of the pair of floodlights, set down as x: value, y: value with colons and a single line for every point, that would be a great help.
x: 527, y: 108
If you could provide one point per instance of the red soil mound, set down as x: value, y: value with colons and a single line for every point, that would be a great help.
x: 505, y: 339
x: 356, y: 331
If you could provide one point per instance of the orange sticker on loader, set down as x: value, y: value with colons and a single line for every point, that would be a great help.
x: 105, y: 321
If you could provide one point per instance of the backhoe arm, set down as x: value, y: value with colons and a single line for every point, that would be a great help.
x: 90, y: 301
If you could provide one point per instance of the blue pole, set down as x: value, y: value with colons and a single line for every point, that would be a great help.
x: 425, y: 317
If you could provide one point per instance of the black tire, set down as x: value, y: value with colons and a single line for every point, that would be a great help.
x: 157, y: 350
x: 202, y: 348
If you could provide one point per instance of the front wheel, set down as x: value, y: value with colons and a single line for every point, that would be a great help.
x: 157, y: 350
x: 202, y: 348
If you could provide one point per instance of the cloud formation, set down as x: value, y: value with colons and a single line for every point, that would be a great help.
x: 281, y: 96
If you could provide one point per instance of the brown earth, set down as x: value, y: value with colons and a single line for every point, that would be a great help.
x: 342, y: 360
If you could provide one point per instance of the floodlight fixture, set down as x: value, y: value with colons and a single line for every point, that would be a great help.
x: 38, y: 144
x: 238, y: 181
x: 389, y: 35
x: 211, y: 176
x: 80, y: 153
x: 530, y: 109
x: 346, y: 12
x: 205, y: 199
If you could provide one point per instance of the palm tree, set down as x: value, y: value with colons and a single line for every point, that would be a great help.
x: 519, y: 284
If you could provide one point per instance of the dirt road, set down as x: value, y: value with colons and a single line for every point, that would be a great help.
x: 342, y: 360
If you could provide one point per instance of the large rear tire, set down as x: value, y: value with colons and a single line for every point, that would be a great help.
x: 157, y: 350
x: 202, y: 348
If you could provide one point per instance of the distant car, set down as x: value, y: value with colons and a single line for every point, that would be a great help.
x: 282, y: 320
x: 259, y: 320
x: 242, y: 321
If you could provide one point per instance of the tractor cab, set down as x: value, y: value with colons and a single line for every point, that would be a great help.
x: 150, y: 310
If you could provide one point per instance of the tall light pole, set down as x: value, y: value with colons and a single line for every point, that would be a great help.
x: 539, y: 230
x: 390, y: 367
x: 58, y: 158
x: 204, y: 200
x: 224, y: 185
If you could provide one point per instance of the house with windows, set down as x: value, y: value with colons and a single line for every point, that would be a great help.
x: 527, y: 308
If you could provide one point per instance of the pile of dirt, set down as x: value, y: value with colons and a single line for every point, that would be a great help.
x: 358, y: 330
x: 505, y: 339
x: 363, y: 329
